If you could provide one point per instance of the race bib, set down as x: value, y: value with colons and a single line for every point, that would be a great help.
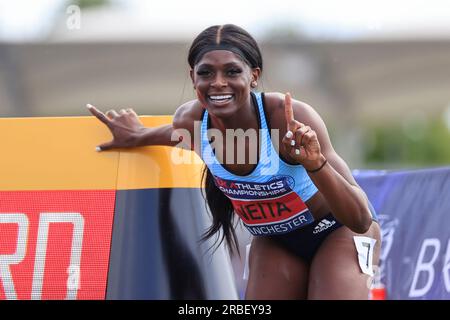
x: 267, y: 208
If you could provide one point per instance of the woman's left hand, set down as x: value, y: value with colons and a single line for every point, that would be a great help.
x: 300, y: 141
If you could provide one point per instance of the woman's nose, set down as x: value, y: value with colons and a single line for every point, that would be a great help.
x: 219, y: 81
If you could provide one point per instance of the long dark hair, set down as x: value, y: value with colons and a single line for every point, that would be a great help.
x: 220, y: 206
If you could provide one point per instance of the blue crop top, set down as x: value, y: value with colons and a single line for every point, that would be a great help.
x: 271, y: 199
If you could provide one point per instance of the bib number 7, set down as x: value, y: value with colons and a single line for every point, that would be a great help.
x: 364, y: 247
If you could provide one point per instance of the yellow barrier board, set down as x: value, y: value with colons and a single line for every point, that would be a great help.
x: 59, y: 154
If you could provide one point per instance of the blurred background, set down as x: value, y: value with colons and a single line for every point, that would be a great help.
x: 377, y: 72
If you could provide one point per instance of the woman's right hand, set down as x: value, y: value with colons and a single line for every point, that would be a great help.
x: 124, y: 125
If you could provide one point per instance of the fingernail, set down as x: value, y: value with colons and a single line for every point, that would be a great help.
x: 289, y: 134
x: 89, y: 106
x: 98, y: 149
x: 292, y: 142
x: 297, y: 151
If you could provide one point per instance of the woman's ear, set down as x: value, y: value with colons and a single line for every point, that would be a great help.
x: 256, y: 73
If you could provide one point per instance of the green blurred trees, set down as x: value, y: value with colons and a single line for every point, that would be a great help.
x: 392, y: 145
x: 89, y: 3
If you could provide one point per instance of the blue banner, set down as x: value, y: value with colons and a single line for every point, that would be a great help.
x: 414, y: 212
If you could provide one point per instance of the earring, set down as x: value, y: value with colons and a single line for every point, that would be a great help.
x: 254, y: 84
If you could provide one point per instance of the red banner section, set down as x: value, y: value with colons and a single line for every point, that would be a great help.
x: 55, y: 244
x: 270, y: 210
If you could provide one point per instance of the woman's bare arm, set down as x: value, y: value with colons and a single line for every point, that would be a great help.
x: 128, y: 131
x: 333, y: 178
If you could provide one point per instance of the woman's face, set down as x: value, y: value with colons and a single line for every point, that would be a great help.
x: 223, y: 82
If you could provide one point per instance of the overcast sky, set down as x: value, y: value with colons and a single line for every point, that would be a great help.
x: 343, y: 19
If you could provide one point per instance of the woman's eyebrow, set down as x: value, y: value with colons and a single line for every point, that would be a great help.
x: 231, y: 64
x: 204, y: 65
x: 228, y: 64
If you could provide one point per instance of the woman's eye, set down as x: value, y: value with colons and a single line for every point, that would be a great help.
x: 234, y: 71
x: 203, y: 73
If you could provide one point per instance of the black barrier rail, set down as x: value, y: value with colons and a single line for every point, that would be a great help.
x: 156, y: 253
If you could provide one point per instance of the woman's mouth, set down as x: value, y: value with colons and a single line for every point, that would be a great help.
x: 220, y: 100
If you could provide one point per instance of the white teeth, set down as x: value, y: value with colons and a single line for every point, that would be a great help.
x: 229, y: 96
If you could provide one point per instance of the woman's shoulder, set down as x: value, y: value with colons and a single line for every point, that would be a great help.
x: 186, y: 114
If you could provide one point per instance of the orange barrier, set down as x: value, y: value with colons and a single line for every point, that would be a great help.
x: 78, y: 224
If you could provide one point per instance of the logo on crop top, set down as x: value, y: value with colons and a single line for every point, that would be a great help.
x: 289, y: 180
x: 266, y: 208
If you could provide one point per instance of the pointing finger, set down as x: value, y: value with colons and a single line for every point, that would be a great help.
x: 288, y: 111
x: 97, y: 113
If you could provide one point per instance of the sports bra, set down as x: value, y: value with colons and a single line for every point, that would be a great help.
x: 270, y: 199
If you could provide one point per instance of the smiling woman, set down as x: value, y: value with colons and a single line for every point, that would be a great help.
x: 316, y: 234
x: 220, y: 84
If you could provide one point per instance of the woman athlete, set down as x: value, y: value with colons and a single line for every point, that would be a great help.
x: 315, y: 233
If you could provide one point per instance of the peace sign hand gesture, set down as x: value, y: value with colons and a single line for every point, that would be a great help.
x: 124, y: 125
x: 300, y: 141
